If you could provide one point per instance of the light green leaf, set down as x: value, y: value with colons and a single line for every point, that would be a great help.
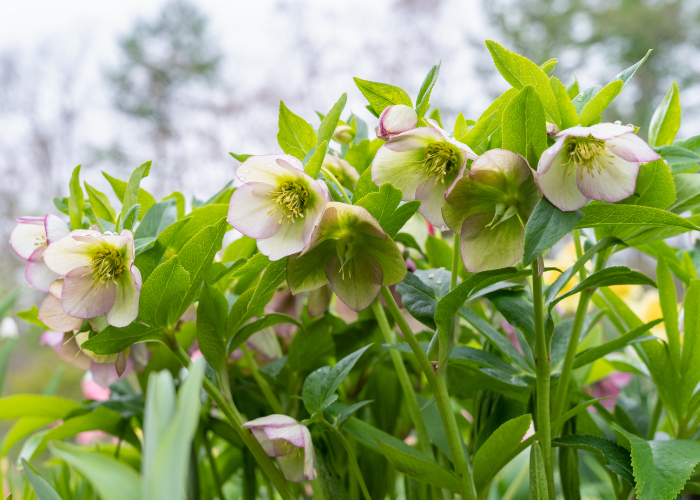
x: 523, y: 126
x: 655, y: 187
x: 242, y: 248
x: 129, y: 219
x: 439, y: 252
x: 384, y: 206
x: 677, y: 155
x: 627, y: 74
x: 519, y: 72
x: 423, y: 99
x: 573, y: 90
x: 538, y: 477
x: 147, y: 261
x: 545, y: 227
x: 240, y: 157
x: 313, y: 167
x: 601, y: 215
x: 597, y: 352
x: 200, y: 218
x: 667, y: 119
x: 548, y: 66
x: 211, y: 326
x: 364, y: 186
x: 26, y: 405
x: 489, y: 121
x: 76, y: 201
x: 158, y: 217
x: 382, y: 95
x: 296, y: 137
x: 131, y: 193
x: 100, y: 204
x: 461, y: 128
x: 43, y: 489
x: 21, y: 429
x: 145, y: 199
x: 582, y: 99
x: 669, y: 308
x: 493, y: 454
x: 272, y: 277
x: 113, y: 340
x: 567, y: 110
x: 595, y: 107
x: 618, y: 275
x: 330, y: 121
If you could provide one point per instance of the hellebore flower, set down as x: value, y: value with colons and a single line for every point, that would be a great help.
x: 100, y: 278
x: 343, y: 134
x: 29, y: 240
x: 287, y: 440
x: 278, y: 204
x: 395, y: 120
x: 350, y: 250
x: 489, y: 208
x: 346, y: 174
x: 424, y: 163
x: 600, y: 162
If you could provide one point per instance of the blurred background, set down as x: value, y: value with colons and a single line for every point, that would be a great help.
x: 182, y: 83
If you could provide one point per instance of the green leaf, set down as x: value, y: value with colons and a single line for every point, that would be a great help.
x: 240, y: 158
x: 162, y: 293
x: 567, y: 110
x: 296, y: 137
x: 256, y: 264
x: 100, y: 204
x: 489, y: 121
x: 384, y: 206
x: 627, y: 74
x: 598, y: 103
x: 618, y: 275
x: 582, y: 99
x: 330, y: 121
x: 272, y: 319
x: 523, y: 126
x: 129, y: 219
x: 145, y: 199
x: 43, y: 489
x: 200, y: 218
x: 461, y: 128
x: 158, y: 217
x: 26, y: 405
x: 242, y: 248
x: 655, y: 186
x: 111, y: 479
x: 519, y: 72
x: 439, y: 252
x: 616, y: 457
x: 420, y: 468
x: 310, y: 346
x: 313, y: 167
x: 149, y: 260
x: 538, y: 476
x: 548, y: 66
x: 318, y: 391
x: 382, y: 95
x: 361, y: 154
x: 661, y: 468
x: 493, y: 454
x: 421, y: 291
x: 667, y: 119
x: 601, y: 215
x: 131, y: 193
x: 677, y: 155
x: 545, y: 227
x: 113, y: 340
x: 595, y: 353
x: 211, y: 326
x: 423, y: 99
x: 669, y: 307
x: 573, y: 90
x: 364, y: 186
x: 76, y: 201
x: 272, y: 277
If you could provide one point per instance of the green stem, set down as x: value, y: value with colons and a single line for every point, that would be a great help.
x: 260, y: 380
x: 212, y: 463
x: 579, y: 253
x: 353, y: 460
x: 455, y: 263
x: 442, y: 399
x: 332, y: 177
x: 229, y: 409
x: 542, y: 365
x: 656, y: 416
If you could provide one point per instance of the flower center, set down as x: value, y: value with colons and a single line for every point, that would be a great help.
x: 289, y: 450
x: 107, y: 265
x: 346, y: 250
x: 439, y: 161
x: 40, y: 241
x: 291, y: 200
x: 586, y: 152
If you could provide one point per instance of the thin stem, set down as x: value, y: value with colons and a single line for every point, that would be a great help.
x: 579, y: 253
x: 455, y: 263
x: 332, y: 177
x: 229, y: 409
x: 542, y: 366
x: 353, y: 460
x: 212, y: 463
x: 656, y: 416
x: 442, y: 399
x: 260, y: 380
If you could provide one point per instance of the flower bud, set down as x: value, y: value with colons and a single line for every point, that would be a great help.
x: 343, y: 134
x: 552, y: 129
x: 395, y: 120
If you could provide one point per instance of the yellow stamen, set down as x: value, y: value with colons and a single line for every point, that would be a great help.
x: 107, y: 265
x: 291, y: 201
x: 440, y: 161
x: 586, y: 153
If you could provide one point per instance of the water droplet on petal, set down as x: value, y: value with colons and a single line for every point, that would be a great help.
x: 241, y: 178
x: 245, y: 170
x: 618, y: 122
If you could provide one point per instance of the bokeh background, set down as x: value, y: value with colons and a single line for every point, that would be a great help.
x: 182, y: 83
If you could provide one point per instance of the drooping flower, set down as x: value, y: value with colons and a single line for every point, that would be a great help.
x: 424, y: 163
x: 100, y: 278
x: 600, y: 162
x: 489, y: 209
x: 351, y: 251
x: 395, y: 120
x: 278, y: 204
x: 342, y: 170
x: 287, y: 440
x: 29, y: 240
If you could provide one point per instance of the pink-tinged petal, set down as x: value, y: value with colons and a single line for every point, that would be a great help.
x: 432, y: 199
x: 324, y: 189
x: 52, y: 315
x: 250, y: 211
x: 547, y: 157
x: 501, y: 169
x: 607, y: 131
x: 577, y: 131
x: 288, y: 240
x: 51, y: 338
x: 292, y: 467
x: 130, y: 252
x: 27, y: 237
x: 67, y: 254
x: 395, y: 120
x: 93, y: 390
x: 105, y: 374
x: 37, y: 273
x: 559, y: 185
x: 55, y: 228
x: 266, y: 444
x: 264, y: 168
x: 613, y: 183
x: 290, y: 433
x: 359, y: 282
x: 309, y: 455
x: 630, y: 147
x: 270, y: 420
x: 55, y: 288
x: 82, y: 299
x: 126, y: 303
x: 29, y: 220
x: 401, y: 170
x: 414, y: 139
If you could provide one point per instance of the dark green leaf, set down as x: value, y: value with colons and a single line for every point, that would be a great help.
x: 43, y: 489
x: 211, y: 326
x: 272, y: 319
x: 627, y: 74
x: 421, y: 291
x: 113, y: 340
x: 158, y: 217
x: 545, y: 227
x: 601, y: 215
x: 616, y: 457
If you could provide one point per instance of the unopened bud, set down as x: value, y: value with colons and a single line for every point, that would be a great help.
x: 552, y: 129
x: 343, y: 134
x: 396, y: 119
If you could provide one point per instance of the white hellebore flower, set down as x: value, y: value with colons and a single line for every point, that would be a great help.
x: 424, y: 163
x: 395, y: 120
x: 29, y: 240
x: 600, y: 162
x: 100, y: 278
x: 288, y: 440
x: 278, y: 204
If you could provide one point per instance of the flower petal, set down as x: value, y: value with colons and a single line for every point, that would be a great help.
x: 414, y: 139
x: 55, y: 288
x: 28, y: 236
x: 275, y: 420
x: 606, y: 131
x: 340, y: 217
x: 484, y: 249
x: 387, y: 254
x: 501, y: 169
x: 105, y: 374
x: 558, y: 184
x: 630, y: 147
x: 37, y: 273
x: 52, y: 315
x: 290, y: 433
x: 287, y: 240
x: 402, y: 170
x: 432, y: 199
x: 249, y: 211
x: 82, y: 299
x: 69, y: 253
x: 306, y: 272
x: 266, y: 444
x: 126, y: 303
x: 468, y: 198
x: 614, y: 183
x: 359, y: 282
x: 395, y: 120
x: 292, y: 466
x: 264, y: 168
x: 55, y: 228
